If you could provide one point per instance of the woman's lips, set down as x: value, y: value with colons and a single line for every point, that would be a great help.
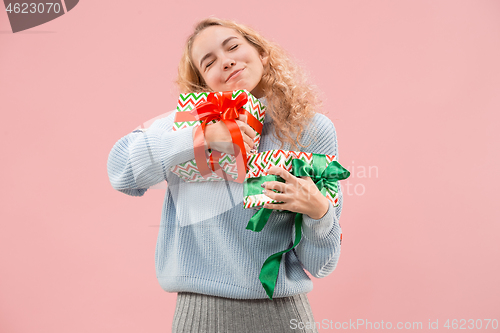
x: 235, y: 74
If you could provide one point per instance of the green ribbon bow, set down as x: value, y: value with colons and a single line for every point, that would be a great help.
x: 324, y: 178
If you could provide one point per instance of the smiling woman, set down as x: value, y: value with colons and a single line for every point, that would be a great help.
x: 293, y: 101
x: 204, y: 251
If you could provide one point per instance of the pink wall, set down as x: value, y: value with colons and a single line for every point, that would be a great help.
x: 412, y: 87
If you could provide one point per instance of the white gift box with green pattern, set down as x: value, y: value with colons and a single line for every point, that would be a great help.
x: 259, y: 163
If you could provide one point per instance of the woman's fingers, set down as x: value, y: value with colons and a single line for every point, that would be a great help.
x: 275, y: 185
x: 287, y: 176
x: 248, y: 135
x: 247, y: 147
x: 228, y: 147
x: 245, y: 128
x: 243, y: 117
x: 217, y: 134
x: 250, y: 131
x: 247, y: 139
x: 275, y: 196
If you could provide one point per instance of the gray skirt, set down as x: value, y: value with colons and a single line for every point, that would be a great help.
x: 212, y: 314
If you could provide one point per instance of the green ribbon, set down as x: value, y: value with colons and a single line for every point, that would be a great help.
x: 269, y: 272
x: 325, y: 180
x: 252, y: 186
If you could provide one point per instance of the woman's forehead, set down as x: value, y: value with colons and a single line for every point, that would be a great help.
x: 214, y: 36
x: 218, y: 30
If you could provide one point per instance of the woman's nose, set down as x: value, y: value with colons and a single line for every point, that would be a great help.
x: 228, y: 63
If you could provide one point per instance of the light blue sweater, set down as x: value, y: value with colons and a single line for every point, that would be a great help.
x: 202, y: 245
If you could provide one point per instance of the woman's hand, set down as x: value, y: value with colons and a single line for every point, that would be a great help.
x: 219, y: 138
x: 299, y: 194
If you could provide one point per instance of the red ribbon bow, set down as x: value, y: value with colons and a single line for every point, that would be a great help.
x: 220, y: 106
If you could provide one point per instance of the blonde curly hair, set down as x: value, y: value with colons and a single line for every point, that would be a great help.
x: 292, y: 100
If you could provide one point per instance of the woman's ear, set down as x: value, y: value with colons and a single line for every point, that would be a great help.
x: 264, y: 58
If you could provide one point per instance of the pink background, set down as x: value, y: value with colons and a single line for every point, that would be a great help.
x: 413, y: 89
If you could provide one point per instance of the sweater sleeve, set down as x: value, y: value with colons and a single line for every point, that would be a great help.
x: 319, y: 248
x: 142, y: 158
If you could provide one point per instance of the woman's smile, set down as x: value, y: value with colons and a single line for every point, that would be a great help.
x: 234, y: 74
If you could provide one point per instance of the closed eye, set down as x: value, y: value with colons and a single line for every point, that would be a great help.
x: 210, y: 63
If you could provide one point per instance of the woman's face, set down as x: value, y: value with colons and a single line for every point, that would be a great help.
x: 227, y: 61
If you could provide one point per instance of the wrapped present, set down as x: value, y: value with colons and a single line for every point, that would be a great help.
x: 324, y: 171
x: 200, y: 109
x: 256, y: 174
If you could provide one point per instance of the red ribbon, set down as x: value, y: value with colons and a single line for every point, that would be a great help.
x: 221, y: 107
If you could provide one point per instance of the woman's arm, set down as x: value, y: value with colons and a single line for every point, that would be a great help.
x: 319, y: 248
x: 142, y: 158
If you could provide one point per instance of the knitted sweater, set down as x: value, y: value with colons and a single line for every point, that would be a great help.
x: 203, y: 246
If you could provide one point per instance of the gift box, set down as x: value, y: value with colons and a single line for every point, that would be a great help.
x: 324, y: 171
x: 191, y: 111
x: 256, y: 174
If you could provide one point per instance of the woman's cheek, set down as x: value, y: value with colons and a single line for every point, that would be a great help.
x: 212, y: 81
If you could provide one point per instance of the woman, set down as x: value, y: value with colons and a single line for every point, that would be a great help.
x: 203, y: 251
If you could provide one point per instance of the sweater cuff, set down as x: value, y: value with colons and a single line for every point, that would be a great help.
x: 318, y: 229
